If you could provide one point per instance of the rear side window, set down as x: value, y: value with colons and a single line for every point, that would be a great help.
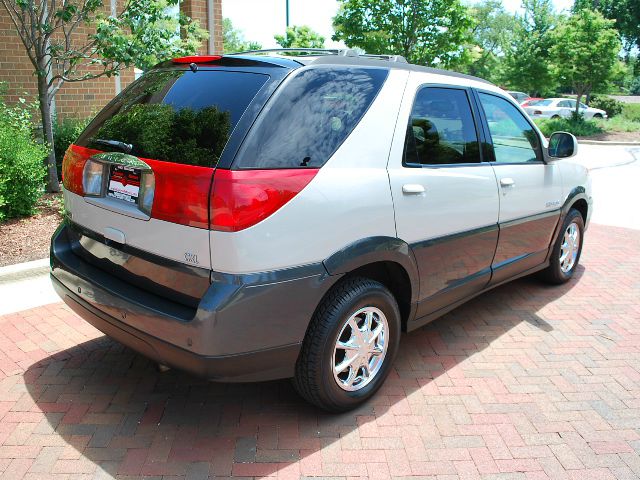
x: 310, y: 117
x: 441, y: 129
x: 175, y: 115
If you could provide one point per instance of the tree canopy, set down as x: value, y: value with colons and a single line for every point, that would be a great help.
x: 233, y: 39
x: 585, y: 51
x: 528, y: 59
x: 491, y: 37
x: 426, y: 32
x: 626, y: 13
x: 300, y: 37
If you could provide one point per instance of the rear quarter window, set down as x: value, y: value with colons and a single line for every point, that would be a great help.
x: 175, y: 115
x: 309, y: 117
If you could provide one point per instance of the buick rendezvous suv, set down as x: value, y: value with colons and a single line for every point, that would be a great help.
x: 285, y: 214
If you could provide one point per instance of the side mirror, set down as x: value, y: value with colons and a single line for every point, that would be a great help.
x: 563, y: 145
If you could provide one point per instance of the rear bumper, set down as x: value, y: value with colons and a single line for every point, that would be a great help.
x: 245, y: 327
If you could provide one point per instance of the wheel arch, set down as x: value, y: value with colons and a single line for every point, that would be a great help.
x: 387, y: 260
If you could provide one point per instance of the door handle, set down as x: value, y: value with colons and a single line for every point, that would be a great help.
x: 412, y: 189
x: 507, y: 182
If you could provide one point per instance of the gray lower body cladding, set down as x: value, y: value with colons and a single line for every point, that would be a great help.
x: 244, y: 328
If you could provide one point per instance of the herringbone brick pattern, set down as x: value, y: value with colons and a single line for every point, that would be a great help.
x: 528, y: 381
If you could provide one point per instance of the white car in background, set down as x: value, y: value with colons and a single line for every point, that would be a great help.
x: 560, y: 107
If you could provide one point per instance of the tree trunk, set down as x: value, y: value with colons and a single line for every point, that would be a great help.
x: 578, y: 98
x: 53, y: 184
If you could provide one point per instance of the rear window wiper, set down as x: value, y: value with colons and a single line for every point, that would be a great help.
x: 125, y: 147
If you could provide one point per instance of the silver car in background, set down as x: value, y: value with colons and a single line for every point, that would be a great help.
x: 560, y: 108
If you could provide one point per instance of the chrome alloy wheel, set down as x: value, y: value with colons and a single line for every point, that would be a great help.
x: 360, y: 349
x: 569, y: 248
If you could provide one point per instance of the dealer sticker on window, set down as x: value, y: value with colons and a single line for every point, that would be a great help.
x: 124, y: 183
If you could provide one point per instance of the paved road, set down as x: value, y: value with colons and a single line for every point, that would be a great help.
x: 526, y: 382
x: 615, y: 191
x: 627, y: 98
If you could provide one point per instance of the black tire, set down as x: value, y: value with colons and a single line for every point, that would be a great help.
x: 555, y: 117
x: 314, y: 378
x: 598, y: 115
x: 553, y: 273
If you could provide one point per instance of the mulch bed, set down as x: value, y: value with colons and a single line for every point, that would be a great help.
x: 615, y: 137
x: 28, y: 238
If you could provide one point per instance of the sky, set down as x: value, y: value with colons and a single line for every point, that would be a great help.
x: 259, y: 20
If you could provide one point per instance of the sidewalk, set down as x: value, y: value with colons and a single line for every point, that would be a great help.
x: 604, y: 156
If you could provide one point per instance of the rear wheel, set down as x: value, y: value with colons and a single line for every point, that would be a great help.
x: 555, y: 117
x: 567, y: 249
x: 350, y: 345
x: 598, y: 115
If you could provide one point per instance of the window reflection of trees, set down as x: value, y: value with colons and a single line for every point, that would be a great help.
x: 157, y: 131
x: 161, y: 132
x: 312, y: 118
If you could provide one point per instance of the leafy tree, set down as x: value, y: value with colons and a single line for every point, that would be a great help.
x: 300, y: 37
x: 431, y: 32
x: 51, y: 31
x: 528, y: 60
x: 626, y: 13
x: 585, y: 52
x: 233, y: 39
x: 491, y: 37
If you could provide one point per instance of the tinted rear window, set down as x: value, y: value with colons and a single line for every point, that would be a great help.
x: 175, y: 115
x: 310, y: 117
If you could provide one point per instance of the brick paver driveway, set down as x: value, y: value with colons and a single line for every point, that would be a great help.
x: 528, y: 381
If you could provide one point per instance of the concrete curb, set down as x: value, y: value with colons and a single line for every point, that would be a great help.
x: 23, y: 271
x: 608, y: 144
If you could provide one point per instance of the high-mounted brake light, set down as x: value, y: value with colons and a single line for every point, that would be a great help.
x: 242, y: 198
x: 197, y: 59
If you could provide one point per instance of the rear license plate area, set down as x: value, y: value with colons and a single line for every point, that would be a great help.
x: 124, y: 183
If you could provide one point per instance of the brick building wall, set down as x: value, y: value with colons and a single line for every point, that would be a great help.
x: 84, y: 99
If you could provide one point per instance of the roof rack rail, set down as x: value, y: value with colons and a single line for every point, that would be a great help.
x: 342, y: 52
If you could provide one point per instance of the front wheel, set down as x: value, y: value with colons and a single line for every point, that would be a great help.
x: 350, y: 345
x: 567, y: 249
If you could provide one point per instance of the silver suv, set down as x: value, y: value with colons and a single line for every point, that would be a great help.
x: 259, y: 216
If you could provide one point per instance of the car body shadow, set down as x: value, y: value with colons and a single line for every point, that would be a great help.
x: 120, y: 413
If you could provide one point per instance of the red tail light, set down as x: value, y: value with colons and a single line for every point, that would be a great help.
x: 73, y: 167
x: 537, y: 112
x: 181, y: 193
x: 242, y: 198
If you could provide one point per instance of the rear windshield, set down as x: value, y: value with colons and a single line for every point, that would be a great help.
x: 175, y: 115
x: 310, y: 117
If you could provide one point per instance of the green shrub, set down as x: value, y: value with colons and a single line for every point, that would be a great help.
x: 65, y: 133
x: 631, y: 111
x: 610, y: 105
x: 578, y: 126
x: 634, y: 88
x: 19, y: 115
x: 22, y: 171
